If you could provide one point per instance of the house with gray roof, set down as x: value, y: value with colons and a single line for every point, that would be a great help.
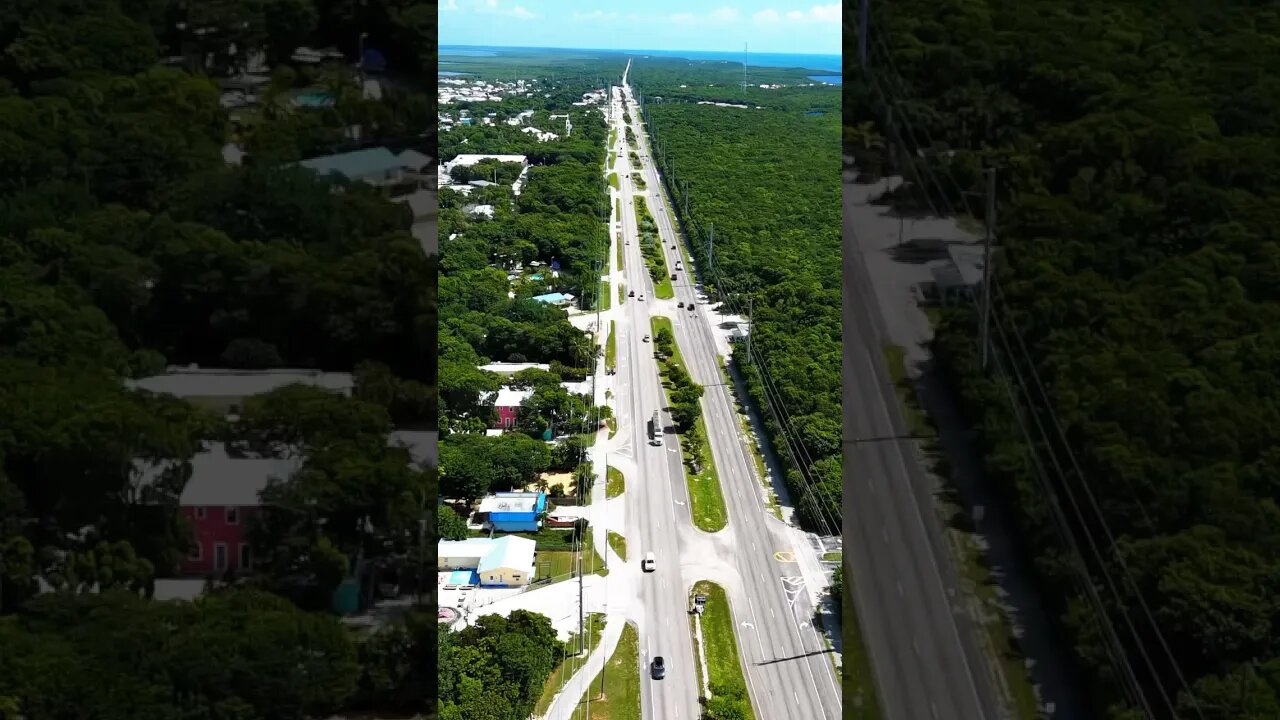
x: 224, y: 391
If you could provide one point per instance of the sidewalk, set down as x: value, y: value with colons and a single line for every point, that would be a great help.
x: 566, y: 701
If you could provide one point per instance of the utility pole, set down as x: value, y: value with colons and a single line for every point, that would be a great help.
x: 862, y: 33
x: 986, y: 266
x: 711, y: 248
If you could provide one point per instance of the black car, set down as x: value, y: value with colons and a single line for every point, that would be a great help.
x: 658, y: 669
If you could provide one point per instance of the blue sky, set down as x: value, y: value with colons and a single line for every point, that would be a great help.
x: 772, y: 26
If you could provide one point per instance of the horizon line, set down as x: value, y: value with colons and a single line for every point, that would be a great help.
x: 635, y: 50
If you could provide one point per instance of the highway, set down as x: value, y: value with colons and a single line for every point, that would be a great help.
x: 652, y: 493
x: 923, y: 648
x: 788, y: 668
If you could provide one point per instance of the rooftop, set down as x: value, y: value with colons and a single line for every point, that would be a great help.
x: 217, y: 382
x: 356, y: 164
x: 510, y: 368
x: 421, y: 444
x: 510, y: 551
x: 511, y: 502
x: 220, y: 479
x: 508, y: 397
x: 472, y: 159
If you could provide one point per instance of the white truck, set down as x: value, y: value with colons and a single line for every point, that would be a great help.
x: 655, y: 430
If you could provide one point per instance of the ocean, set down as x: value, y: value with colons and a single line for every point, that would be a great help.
x: 825, y: 63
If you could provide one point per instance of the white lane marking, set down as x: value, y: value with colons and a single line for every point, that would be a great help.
x: 900, y: 590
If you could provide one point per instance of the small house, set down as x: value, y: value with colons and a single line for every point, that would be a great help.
x: 514, y: 511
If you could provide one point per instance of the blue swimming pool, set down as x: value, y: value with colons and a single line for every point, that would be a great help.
x: 314, y: 99
x: 464, y: 577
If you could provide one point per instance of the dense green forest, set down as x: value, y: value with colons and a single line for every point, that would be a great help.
x: 1138, y: 147
x: 556, y: 217
x: 769, y: 182
x: 128, y: 243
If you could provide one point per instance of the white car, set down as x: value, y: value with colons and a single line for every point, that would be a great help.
x: 646, y: 564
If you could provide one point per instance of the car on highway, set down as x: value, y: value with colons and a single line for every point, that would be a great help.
x: 641, y: 297
x: 646, y: 338
x: 680, y: 304
x: 631, y: 294
x: 647, y: 563
x: 658, y: 668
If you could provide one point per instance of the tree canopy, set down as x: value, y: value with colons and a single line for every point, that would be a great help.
x: 1137, y: 149
x: 769, y: 182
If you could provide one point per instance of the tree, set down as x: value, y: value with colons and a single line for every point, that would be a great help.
x: 450, y: 525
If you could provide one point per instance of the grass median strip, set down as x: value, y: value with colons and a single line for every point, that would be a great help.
x: 651, y: 248
x: 615, y: 485
x: 619, y: 544
x: 724, y: 666
x: 603, y: 296
x: 613, y: 180
x: 706, y: 500
x: 621, y: 697
x: 611, y: 346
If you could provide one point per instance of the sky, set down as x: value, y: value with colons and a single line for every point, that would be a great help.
x: 767, y: 26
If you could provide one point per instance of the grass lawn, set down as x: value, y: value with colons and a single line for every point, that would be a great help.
x: 570, y: 665
x: 588, y: 439
x: 616, y: 484
x: 706, y: 500
x: 613, y: 180
x: 832, y: 556
x: 561, y: 564
x: 611, y: 346
x: 977, y: 580
x: 613, y: 158
x: 618, y: 543
x: 603, y: 296
x: 621, y: 699
x: 621, y: 265
x: 723, y: 664
x: 613, y: 427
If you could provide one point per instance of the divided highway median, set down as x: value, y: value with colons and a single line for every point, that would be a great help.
x: 651, y: 248
x: 706, y: 500
x: 729, y: 698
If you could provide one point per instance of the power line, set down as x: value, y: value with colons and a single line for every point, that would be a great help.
x: 1125, y: 572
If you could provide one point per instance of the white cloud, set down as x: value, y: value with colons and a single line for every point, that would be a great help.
x: 450, y: 5
x: 725, y: 15
x: 816, y: 14
x: 599, y: 15
x: 520, y: 12
x: 633, y: 17
x: 826, y: 13
x: 684, y: 18
x: 766, y: 16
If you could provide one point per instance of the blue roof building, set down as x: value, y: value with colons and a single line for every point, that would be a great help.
x: 378, y: 165
x: 514, y: 511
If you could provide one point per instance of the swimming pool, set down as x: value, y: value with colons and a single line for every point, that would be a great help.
x: 464, y: 577
x: 313, y: 99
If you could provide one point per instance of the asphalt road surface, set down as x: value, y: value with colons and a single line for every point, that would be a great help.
x: 651, y: 497
x: 925, y: 658
x: 789, y: 671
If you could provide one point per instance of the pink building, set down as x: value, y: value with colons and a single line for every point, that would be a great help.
x: 222, y: 502
x: 508, y: 403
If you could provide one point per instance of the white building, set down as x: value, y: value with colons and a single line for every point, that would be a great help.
x: 498, y: 562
